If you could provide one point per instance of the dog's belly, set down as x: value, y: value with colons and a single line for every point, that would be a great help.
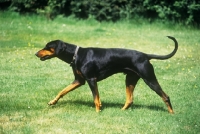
x: 107, y: 73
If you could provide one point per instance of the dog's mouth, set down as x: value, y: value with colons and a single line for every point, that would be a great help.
x: 46, y: 57
x: 45, y: 54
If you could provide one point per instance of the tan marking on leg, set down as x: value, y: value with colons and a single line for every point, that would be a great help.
x: 97, y: 101
x: 129, y: 97
x: 166, y: 99
x: 69, y: 88
x: 169, y: 108
x: 168, y: 104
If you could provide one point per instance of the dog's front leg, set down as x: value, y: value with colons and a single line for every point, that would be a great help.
x: 94, y: 88
x: 66, y: 90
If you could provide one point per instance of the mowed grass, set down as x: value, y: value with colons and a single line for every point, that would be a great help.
x: 28, y: 84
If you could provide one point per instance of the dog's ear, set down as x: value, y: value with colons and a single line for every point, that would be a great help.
x: 61, y: 46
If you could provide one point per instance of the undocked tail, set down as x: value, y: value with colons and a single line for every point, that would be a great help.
x: 163, y: 57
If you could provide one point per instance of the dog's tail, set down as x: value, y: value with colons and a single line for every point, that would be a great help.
x: 163, y: 57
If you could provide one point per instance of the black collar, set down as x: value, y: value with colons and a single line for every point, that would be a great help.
x: 74, y: 57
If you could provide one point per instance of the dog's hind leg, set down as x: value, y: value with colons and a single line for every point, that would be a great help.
x: 148, y: 75
x: 156, y: 87
x: 131, y: 81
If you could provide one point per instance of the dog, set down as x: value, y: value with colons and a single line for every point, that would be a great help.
x: 92, y: 65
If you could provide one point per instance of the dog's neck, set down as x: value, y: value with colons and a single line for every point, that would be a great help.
x: 69, y: 54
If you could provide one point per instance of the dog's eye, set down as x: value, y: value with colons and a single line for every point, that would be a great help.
x: 52, y: 50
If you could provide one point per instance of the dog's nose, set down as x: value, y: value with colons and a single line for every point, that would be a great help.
x: 36, y: 54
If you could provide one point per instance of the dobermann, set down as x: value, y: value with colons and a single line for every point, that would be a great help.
x: 95, y: 64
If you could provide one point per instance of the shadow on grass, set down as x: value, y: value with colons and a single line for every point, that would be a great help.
x: 110, y: 105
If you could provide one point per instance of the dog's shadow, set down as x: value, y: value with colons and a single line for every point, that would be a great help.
x: 109, y: 104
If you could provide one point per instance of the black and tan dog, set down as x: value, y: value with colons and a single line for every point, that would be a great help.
x: 95, y: 64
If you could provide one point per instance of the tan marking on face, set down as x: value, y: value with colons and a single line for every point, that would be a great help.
x: 43, y: 52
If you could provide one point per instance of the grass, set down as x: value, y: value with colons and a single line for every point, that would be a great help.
x: 27, y: 84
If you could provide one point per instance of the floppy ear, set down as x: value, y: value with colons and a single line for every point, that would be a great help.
x: 60, y: 47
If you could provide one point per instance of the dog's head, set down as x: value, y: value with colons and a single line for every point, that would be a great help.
x: 51, y: 50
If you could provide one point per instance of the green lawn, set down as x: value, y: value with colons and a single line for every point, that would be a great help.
x: 28, y: 84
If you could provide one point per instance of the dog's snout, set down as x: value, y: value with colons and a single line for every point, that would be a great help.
x: 36, y: 54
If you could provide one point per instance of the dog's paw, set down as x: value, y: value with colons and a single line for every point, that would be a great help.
x: 127, y: 105
x: 98, y: 110
x: 52, y: 102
